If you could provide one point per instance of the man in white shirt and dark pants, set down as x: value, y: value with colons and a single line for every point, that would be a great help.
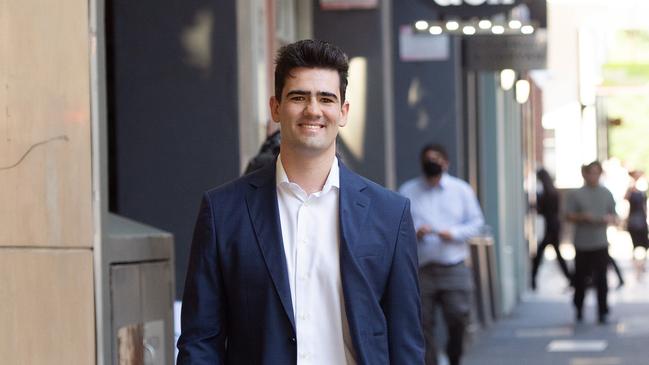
x: 446, y: 214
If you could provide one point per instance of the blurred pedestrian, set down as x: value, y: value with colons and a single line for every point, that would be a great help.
x: 547, y: 205
x: 303, y: 261
x: 267, y: 154
x: 446, y: 213
x: 616, y: 269
x: 636, y: 222
x: 591, y: 208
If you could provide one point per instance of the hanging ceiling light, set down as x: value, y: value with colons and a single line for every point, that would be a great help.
x: 515, y: 24
x: 468, y: 30
x: 527, y: 29
x: 435, y: 30
x: 421, y: 25
x: 522, y: 91
x: 452, y: 25
x: 484, y: 24
x: 507, y: 78
x: 497, y: 29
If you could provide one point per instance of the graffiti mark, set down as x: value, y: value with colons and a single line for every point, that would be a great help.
x: 31, y: 148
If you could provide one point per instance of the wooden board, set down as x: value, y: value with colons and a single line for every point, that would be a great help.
x: 45, y: 172
x: 47, y: 311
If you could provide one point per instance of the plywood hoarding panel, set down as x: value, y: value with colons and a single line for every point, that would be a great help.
x: 47, y: 312
x: 45, y: 151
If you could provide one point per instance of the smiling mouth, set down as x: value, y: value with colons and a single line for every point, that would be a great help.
x: 311, y: 126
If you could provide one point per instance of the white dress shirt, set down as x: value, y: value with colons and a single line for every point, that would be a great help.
x: 450, y: 206
x: 311, y: 235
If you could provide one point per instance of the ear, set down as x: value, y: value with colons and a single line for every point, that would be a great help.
x: 344, y: 111
x: 273, y: 104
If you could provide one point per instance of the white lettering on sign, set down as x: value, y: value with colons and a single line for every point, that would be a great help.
x: 473, y: 2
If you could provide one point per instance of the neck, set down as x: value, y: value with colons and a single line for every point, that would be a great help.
x: 309, y: 172
x: 434, y: 181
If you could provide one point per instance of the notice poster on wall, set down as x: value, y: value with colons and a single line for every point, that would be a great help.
x: 422, y: 46
x: 348, y: 4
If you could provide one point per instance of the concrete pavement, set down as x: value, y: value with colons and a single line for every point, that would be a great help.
x: 542, y: 329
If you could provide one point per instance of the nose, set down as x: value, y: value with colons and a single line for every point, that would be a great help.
x: 312, y: 108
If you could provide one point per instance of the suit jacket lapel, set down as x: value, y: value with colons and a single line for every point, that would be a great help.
x: 264, y: 215
x: 354, y: 206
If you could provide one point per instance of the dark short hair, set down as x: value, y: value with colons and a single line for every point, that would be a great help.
x: 310, y: 53
x: 588, y: 167
x: 433, y: 147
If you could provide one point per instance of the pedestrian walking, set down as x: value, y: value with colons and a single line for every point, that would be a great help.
x: 636, y: 223
x: 591, y: 209
x: 548, y: 205
x: 446, y: 214
x: 267, y: 154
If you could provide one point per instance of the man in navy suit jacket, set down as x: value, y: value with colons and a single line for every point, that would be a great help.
x: 303, y: 261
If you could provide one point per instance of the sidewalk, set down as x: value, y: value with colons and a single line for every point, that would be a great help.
x: 542, y: 329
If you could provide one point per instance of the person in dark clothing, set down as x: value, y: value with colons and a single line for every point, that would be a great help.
x: 591, y: 209
x: 637, y: 220
x: 267, y: 153
x: 547, y: 205
x: 618, y: 272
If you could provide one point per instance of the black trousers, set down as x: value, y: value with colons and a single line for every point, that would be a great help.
x: 536, y: 262
x: 449, y: 289
x: 591, y: 264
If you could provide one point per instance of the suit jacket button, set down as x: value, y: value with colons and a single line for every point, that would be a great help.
x: 293, y: 340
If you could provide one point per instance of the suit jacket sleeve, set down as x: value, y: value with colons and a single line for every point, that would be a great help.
x: 401, y: 301
x: 203, y: 322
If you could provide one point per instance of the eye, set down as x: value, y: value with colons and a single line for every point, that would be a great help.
x: 298, y: 98
x: 327, y: 100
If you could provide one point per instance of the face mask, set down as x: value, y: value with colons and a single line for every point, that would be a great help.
x: 431, y: 168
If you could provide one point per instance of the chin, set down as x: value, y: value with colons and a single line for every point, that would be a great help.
x: 314, y: 148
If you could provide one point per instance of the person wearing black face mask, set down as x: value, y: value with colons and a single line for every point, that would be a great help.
x: 432, y: 168
x: 445, y: 213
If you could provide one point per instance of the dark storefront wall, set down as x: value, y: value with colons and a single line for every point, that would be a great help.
x: 435, y: 117
x: 173, y: 121
x: 358, y: 33
x: 482, y: 132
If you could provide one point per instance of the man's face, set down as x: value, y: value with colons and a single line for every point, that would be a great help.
x: 591, y: 176
x: 310, y: 111
x: 436, y: 157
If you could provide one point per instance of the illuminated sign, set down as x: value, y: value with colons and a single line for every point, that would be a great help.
x: 475, y: 8
x: 474, y: 2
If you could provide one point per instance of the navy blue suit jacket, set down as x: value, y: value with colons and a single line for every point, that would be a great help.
x: 237, y: 301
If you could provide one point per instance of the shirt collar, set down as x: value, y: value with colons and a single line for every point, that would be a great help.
x: 443, y: 182
x: 333, y: 179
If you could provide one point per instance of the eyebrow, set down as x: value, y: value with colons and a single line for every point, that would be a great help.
x: 308, y: 93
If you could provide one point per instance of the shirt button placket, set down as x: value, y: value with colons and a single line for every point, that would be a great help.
x: 303, y: 259
x: 300, y: 268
